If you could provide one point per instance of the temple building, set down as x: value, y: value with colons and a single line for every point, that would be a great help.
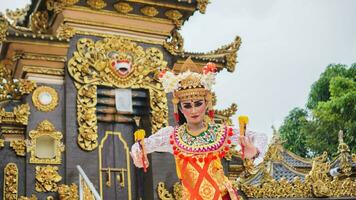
x: 79, y: 77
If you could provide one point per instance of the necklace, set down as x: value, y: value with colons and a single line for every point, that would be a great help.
x: 197, y: 132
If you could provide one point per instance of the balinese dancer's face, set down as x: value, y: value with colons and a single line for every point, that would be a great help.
x: 193, y: 110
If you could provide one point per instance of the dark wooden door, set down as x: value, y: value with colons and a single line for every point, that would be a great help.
x: 118, y: 176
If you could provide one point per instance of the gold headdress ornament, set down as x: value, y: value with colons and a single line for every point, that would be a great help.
x: 191, y: 83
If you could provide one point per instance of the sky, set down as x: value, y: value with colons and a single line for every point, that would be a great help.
x: 286, y: 45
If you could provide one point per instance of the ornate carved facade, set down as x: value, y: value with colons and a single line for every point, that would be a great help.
x: 61, y: 70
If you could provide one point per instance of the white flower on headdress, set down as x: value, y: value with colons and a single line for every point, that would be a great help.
x: 208, y: 80
x: 170, y: 82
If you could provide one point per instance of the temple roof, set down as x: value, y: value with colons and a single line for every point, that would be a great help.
x: 283, y: 174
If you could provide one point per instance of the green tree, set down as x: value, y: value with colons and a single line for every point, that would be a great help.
x: 332, y: 107
x: 292, y: 131
x: 338, y: 113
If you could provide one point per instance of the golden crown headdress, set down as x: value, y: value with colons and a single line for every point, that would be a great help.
x: 191, y: 83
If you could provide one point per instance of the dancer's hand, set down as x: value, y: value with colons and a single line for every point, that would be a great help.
x: 250, y: 150
x: 136, y: 155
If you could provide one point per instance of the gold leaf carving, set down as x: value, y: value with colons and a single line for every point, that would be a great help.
x: 33, y: 197
x: 149, y: 11
x: 175, y: 44
x: 66, y: 32
x: 202, y: 4
x: 46, y: 129
x: 19, y: 146
x: 68, y: 192
x: 58, y: 6
x: 47, y: 178
x: 91, y: 66
x: 175, y: 16
x: 3, y: 28
x: 45, y: 92
x: 96, y: 4
x: 11, y: 175
x: 122, y: 7
x: 39, y: 21
x: 19, y: 115
x: 10, y: 88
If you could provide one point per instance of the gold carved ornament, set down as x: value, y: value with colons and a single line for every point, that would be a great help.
x: 91, y: 66
x: 58, y: 6
x: 123, y: 8
x: 45, y: 130
x: 13, y: 89
x: 47, y: 178
x: 66, y: 32
x: 317, y: 183
x: 39, y: 21
x: 175, y: 43
x: 96, y: 4
x: 201, y: 5
x: 68, y: 192
x: 33, y: 197
x: 149, y: 11
x: 19, y: 115
x: 11, y: 176
x: 4, y: 25
x: 175, y: 16
x: 45, y: 98
x: 19, y: 146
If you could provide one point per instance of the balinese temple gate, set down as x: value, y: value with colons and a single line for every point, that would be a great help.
x: 79, y: 77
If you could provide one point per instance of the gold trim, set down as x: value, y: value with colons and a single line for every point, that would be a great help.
x: 37, y: 102
x: 101, y: 146
x: 2, y: 143
x: 116, y: 14
x: 11, y: 178
x: 89, y: 73
x: 46, y: 128
x: 108, y: 25
x: 19, y: 146
x: 12, y: 130
x: 103, y: 35
x: 43, y: 70
x: 165, y: 5
x: 46, y: 57
x: 47, y: 178
x: 33, y: 197
x: 44, y: 43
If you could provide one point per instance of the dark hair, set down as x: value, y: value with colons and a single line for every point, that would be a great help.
x: 182, y: 119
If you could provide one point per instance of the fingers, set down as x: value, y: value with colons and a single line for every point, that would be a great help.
x: 246, y: 140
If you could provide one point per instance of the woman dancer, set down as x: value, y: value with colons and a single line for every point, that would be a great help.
x: 197, y: 143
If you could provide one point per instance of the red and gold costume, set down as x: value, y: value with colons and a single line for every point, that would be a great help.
x: 198, y: 157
